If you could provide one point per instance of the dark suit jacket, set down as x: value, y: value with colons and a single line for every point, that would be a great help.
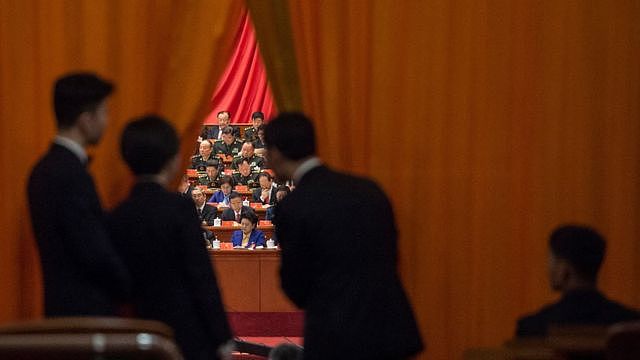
x: 579, y: 307
x: 82, y: 273
x: 228, y: 213
x: 339, y: 258
x: 272, y: 196
x: 212, y: 132
x: 208, y: 214
x: 159, y: 237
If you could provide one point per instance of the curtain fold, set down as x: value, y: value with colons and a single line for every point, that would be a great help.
x: 488, y: 123
x: 164, y: 57
x: 243, y: 87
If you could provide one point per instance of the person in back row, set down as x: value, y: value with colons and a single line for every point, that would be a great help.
x: 266, y: 193
x: 248, y: 152
x: 251, y: 133
x: 221, y: 196
x: 204, y: 154
x: 229, y: 145
x: 158, y: 234
x: 245, y: 176
x: 576, y: 254
x: 236, y: 209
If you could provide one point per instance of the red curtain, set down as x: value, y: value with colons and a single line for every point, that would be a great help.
x: 243, y: 87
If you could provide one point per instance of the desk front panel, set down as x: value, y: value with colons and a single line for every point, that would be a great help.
x: 249, y: 280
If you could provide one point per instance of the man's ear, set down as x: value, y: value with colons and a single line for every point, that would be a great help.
x: 84, y: 123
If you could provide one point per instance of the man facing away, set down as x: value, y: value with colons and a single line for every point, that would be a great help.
x: 575, y: 256
x: 82, y: 273
x: 339, y: 257
x: 158, y: 234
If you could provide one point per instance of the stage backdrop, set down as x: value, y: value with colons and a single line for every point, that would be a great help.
x: 243, y: 87
x: 164, y: 56
x: 488, y: 123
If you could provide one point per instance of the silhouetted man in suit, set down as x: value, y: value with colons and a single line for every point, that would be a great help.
x: 158, y: 234
x: 82, y: 273
x: 576, y: 254
x: 338, y: 240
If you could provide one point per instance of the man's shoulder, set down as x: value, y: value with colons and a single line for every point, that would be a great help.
x: 535, y: 324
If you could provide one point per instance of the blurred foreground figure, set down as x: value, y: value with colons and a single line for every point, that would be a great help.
x: 575, y: 256
x: 338, y: 239
x: 158, y: 234
x: 82, y: 273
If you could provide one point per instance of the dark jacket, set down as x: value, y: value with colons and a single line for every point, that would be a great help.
x: 578, y: 307
x: 228, y: 214
x: 339, y: 263
x: 208, y: 214
x: 159, y: 237
x: 82, y: 273
x: 258, y: 192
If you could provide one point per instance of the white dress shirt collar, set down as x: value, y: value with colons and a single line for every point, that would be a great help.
x: 305, y: 167
x: 72, y: 146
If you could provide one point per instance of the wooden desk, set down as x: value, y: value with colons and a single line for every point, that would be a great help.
x: 224, y: 232
x: 249, y: 280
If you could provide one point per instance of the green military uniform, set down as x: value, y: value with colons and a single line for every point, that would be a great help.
x: 198, y: 160
x: 250, y: 180
x: 250, y: 133
x: 211, y: 183
x: 254, y: 161
x: 220, y: 147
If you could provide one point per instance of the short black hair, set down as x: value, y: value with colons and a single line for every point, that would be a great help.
x: 148, y: 143
x: 257, y: 115
x: 284, y: 188
x: 213, y: 163
x: 292, y: 134
x: 581, y: 246
x: 234, y: 195
x: 227, y: 130
x: 265, y: 174
x: 244, y: 160
x: 226, y: 179
x: 224, y: 112
x: 76, y: 93
x: 249, y: 215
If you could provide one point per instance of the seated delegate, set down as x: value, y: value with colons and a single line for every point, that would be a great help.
x: 248, y: 237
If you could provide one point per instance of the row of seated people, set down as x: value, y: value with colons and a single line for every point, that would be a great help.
x: 228, y: 205
x: 224, y: 120
x: 226, y: 139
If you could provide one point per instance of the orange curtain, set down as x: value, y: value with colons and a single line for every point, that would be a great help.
x: 164, y: 57
x: 488, y: 123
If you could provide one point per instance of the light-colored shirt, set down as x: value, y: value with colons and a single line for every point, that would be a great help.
x: 72, y: 146
x: 305, y: 167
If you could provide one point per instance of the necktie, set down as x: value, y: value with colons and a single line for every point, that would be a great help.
x: 200, y: 213
x: 237, y: 217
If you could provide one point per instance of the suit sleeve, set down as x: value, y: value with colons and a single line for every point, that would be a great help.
x: 259, y: 238
x: 211, y: 215
x: 256, y: 195
x: 90, y: 245
x: 296, y: 275
x: 202, y: 280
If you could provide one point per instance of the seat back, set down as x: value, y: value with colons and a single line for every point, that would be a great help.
x: 88, y: 338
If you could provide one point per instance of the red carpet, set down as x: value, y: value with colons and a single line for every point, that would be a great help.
x: 266, y: 324
x: 269, y: 341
